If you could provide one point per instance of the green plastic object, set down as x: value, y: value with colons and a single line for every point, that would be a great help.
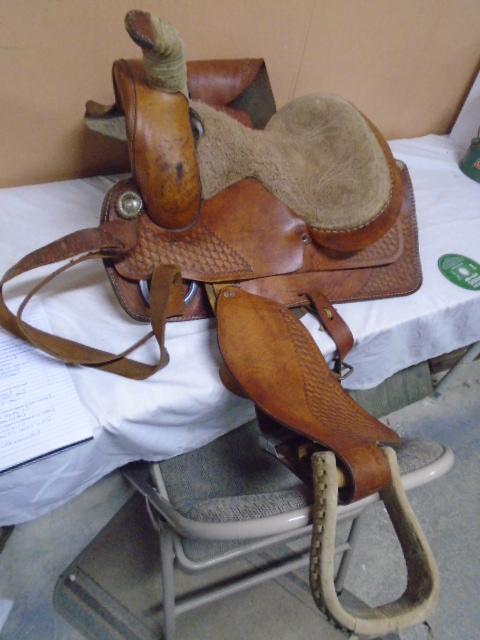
x: 462, y: 271
x: 470, y: 163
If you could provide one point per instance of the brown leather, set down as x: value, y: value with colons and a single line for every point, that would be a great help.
x: 112, y: 238
x: 223, y: 84
x: 246, y: 235
x: 230, y: 224
x: 401, y: 276
x: 332, y: 322
x: 243, y: 232
x: 161, y: 147
x: 128, y: 291
x: 220, y: 82
x: 312, y: 403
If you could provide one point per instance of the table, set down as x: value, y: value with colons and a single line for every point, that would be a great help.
x: 185, y: 406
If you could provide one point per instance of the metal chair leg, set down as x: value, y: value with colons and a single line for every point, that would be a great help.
x: 167, y: 556
x: 472, y: 353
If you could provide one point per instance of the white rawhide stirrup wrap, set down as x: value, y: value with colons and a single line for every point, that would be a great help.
x: 420, y: 596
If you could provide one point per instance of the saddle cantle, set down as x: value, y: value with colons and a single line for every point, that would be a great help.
x: 237, y: 210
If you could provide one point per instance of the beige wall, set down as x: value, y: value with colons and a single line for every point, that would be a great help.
x: 407, y: 64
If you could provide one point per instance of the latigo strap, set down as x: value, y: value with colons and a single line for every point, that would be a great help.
x: 110, y: 240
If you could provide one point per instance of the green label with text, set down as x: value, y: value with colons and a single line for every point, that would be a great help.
x: 462, y: 271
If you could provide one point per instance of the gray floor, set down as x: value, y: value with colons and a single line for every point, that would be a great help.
x: 449, y: 510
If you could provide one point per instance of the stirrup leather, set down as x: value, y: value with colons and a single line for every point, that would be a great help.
x: 420, y: 596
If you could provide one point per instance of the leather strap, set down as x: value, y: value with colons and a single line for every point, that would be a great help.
x: 334, y: 325
x: 109, y: 241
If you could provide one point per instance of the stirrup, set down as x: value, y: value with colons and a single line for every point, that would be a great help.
x: 420, y: 596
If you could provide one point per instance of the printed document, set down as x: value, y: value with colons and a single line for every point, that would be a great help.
x: 40, y: 410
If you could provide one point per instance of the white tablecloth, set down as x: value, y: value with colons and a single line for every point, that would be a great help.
x: 185, y: 406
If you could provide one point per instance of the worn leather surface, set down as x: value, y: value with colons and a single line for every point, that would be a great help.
x: 351, y: 278
x: 237, y: 240
x: 111, y: 239
x: 220, y: 82
x: 161, y: 146
x: 332, y: 322
x: 246, y: 235
x: 243, y: 233
x: 312, y: 403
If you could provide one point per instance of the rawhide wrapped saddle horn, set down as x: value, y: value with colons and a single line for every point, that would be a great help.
x: 237, y: 210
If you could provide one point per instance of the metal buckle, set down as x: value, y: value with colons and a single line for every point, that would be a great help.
x: 342, y: 369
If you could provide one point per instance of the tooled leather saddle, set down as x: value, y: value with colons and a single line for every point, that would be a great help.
x: 236, y: 210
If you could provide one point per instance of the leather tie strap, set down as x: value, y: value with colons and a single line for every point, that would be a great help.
x: 334, y: 325
x: 109, y: 241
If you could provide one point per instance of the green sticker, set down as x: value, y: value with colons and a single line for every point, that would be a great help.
x: 462, y: 271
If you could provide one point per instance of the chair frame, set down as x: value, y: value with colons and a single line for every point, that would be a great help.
x: 261, y: 533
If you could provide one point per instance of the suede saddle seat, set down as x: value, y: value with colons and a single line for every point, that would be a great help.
x: 318, y: 155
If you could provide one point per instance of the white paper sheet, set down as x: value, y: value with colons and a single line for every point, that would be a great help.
x: 40, y: 410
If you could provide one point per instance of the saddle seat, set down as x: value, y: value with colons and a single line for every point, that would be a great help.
x: 318, y: 154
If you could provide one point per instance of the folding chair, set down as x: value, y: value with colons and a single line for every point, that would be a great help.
x: 232, y: 498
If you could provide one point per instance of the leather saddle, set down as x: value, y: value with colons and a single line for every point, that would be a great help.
x: 240, y: 211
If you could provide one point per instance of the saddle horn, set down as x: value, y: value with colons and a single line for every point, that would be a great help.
x: 154, y: 98
x: 163, y: 51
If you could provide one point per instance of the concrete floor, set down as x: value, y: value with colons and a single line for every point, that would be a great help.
x: 449, y: 510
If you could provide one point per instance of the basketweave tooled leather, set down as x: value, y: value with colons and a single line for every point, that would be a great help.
x: 389, y: 267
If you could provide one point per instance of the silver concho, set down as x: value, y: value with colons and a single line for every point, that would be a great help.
x: 129, y: 205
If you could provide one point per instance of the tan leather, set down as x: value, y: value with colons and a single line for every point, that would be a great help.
x: 220, y: 82
x: 261, y: 342
x: 243, y: 232
x: 161, y: 147
x: 388, y: 267
x: 245, y: 235
x: 352, y: 278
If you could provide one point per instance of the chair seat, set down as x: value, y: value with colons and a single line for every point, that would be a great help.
x: 233, y: 479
